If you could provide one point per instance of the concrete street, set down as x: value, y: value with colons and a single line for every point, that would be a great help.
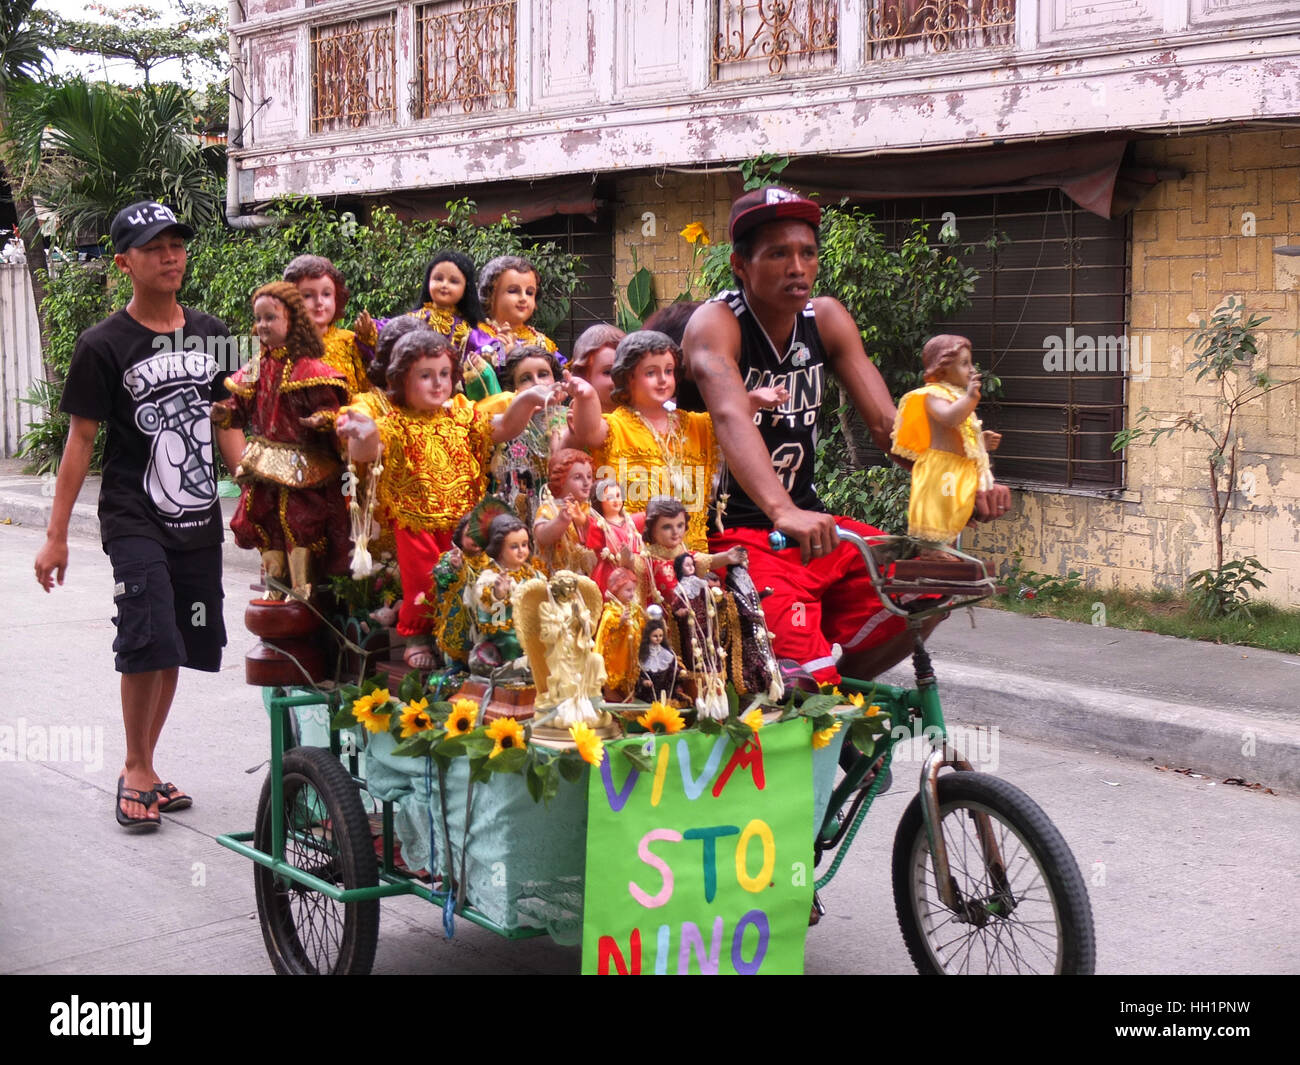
x: 1186, y: 875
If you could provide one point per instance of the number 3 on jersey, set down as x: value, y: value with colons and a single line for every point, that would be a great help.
x: 786, y: 462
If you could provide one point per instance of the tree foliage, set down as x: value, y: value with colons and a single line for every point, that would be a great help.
x: 1226, y: 348
x: 22, y: 41
x: 138, y: 33
x: 384, y: 262
x: 22, y: 59
x: 93, y: 147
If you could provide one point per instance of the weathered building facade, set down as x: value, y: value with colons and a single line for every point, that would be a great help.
x: 1141, y: 159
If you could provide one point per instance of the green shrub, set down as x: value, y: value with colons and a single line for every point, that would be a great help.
x: 77, y: 295
x: 384, y: 263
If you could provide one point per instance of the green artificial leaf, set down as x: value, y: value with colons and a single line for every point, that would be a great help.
x: 708, y: 726
x: 862, y: 734
x: 343, y: 718
x: 411, y: 687
x: 733, y: 700
x: 571, y: 767
x: 635, y: 754
x: 533, y: 778
x: 550, y: 782
x: 478, y: 743
x: 739, y: 732
x: 452, y: 747
x: 818, y: 705
x: 509, y: 761
x: 415, y: 747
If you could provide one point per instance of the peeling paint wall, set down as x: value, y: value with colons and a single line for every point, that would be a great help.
x: 609, y: 87
x: 1195, y: 242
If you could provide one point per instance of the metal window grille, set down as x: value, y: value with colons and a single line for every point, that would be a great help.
x: 592, y: 239
x: 898, y: 28
x: 465, y: 58
x: 773, y: 37
x: 1061, y: 273
x: 352, y: 74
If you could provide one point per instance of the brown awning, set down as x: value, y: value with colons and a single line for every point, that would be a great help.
x: 1092, y: 173
x: 526, y: 200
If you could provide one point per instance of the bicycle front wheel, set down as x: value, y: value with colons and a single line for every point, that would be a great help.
x: 1028, y: 914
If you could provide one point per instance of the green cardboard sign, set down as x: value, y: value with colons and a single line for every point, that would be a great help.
x: 703, y: 865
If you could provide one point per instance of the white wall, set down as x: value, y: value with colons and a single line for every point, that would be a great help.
x: 20, y: 355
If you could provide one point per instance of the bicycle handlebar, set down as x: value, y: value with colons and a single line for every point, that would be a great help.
x: 895, y: 548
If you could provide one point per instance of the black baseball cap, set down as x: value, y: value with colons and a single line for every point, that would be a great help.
x: 141, y: 222
x: 771, y: 204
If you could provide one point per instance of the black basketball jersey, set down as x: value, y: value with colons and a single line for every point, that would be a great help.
x: 790, y: 432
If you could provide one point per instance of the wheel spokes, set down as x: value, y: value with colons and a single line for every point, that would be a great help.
x: 1004, y: 922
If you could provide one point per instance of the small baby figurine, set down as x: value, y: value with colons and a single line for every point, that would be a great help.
x: 325, y: 292
x: 611, y: 534
x: 291, y: 508
x: 665, y: 531
x: 508, y: 550
x: 457, y: 567
x: 618, y: 639
x: 937, y: 428
x: 508, y: 288
x: 557, y: 621
x: 564, y: 514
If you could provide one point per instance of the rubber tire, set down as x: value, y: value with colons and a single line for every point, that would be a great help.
x: 305, y: 932
x: 1024, y: 835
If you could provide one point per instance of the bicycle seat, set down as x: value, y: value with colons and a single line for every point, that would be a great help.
x: 900, y: 576
x: 939, y: 569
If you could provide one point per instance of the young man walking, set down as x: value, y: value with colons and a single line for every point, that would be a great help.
x: 151, y: 372
x: 771, y: 331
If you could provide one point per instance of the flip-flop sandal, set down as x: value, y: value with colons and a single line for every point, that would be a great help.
x: 144, y: 798
x: 170, y: 797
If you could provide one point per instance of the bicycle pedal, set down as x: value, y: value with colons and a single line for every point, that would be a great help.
x: 818, y: 909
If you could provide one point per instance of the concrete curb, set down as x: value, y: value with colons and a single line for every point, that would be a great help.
x: 33, y: 512
x: 1215, y: 742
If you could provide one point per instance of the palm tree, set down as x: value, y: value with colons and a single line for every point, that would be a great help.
x: 22, y: 58
x: 100, y: 146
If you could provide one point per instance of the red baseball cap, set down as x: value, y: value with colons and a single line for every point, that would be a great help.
x: 770, y: 204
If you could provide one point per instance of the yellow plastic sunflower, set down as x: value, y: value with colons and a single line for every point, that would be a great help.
x: 367, y: 710
x: 506, y: 733
x: 822, y: 737
x: 754, y: 719
x: 663, y: 715
x: 590, y: 746
x: 463, y: 717
x: 873, y: 710
x: 857, y: 699
x: 415, y: 718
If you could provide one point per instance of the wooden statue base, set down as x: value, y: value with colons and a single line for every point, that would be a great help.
x: 289, y: 650
x: 558, y: 738
x: 506, y: 701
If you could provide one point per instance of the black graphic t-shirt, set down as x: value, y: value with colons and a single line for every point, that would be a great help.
x: 155, y: 393
x: 790, y: 432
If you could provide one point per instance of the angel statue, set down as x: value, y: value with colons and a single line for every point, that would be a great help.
x: 556, y: 623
